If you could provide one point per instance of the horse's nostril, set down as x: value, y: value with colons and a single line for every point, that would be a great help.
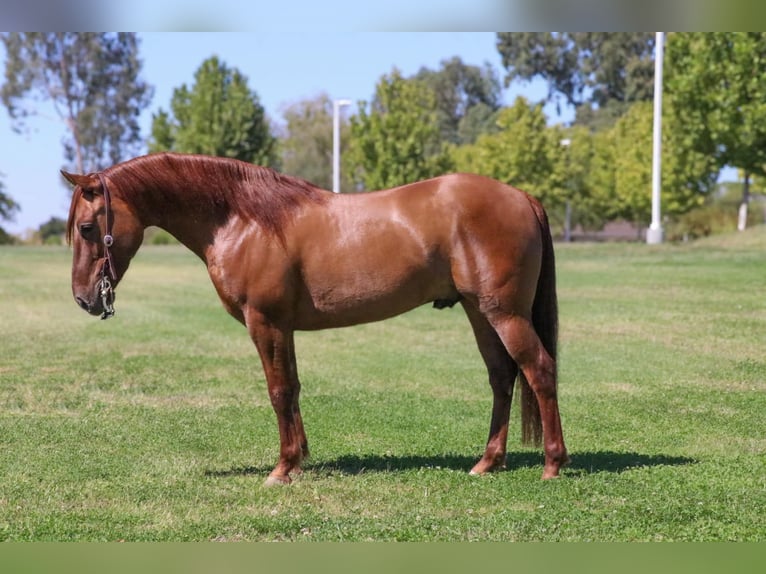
x: 81, y: 302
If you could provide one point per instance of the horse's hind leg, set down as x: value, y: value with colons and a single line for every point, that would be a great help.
x: 523, y: 344
x: 502, y: 374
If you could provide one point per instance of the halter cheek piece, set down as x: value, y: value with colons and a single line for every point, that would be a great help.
x: 108, y: 275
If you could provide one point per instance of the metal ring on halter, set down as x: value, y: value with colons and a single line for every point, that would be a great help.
x: 108, y: 240
x: 107, y: 297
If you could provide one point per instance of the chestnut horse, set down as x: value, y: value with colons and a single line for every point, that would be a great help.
x: 285, y: 255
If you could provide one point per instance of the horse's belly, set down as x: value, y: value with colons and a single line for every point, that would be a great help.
x: 365, y: 298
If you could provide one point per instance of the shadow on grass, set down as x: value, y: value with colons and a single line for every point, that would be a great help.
x: 583, y: 463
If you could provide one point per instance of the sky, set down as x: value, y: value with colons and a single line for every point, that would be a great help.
x: 282, y: 68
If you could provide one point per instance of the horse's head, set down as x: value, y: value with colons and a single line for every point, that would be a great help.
x: 105, y: 235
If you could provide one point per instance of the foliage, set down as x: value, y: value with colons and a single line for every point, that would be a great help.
x: 397, y: 140
x: 717, y: 215
x: 93, y: 82
x: 479, y: 119
x: 711, y: 219
x: 554, y: 163
x: 605, y: 175
x: 593, y: 68
x: 53, y: 231
x: 6, y: 238
x: 467, y: 98
x: 601, y: 175
x: 306, y: 146
x: 524, y: 152
x: 717, y: 82
x: 157, y: 236
x: 218, y: 115
x: 158, y: 426
x: 8, y: 207
x: 578, y: 169
x: 622, y: 172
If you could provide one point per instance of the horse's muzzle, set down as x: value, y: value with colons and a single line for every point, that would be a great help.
x: 100, y: 306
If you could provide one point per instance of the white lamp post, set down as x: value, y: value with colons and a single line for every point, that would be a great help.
x: 654, y: 233
x: 336, y: 106
x: 568, y: 214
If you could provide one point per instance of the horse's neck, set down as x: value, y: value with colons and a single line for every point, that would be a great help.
x: 182, y: 211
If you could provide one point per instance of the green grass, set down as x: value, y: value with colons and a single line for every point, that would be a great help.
x: 155, y: 425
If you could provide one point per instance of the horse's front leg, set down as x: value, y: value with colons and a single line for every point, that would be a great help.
x: 277, y: 351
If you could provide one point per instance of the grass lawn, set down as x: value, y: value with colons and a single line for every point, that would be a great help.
x: 156, y: 425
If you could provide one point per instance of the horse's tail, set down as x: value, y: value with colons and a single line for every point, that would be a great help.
x: 546, y: 323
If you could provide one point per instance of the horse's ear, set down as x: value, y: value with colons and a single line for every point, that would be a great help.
x: 88, y: 183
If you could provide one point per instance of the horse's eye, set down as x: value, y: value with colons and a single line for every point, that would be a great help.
x: 86, y: 230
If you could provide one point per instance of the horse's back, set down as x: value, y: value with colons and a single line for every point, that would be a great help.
x: 475, y: 208
x: 457, y: 198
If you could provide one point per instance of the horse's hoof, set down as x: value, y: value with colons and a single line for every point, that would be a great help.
x: 549, y: 474
x: 482, y: 467
x: 273, y: 480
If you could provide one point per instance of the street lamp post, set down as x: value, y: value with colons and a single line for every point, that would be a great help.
x: 568, y: 213
x: 336, y: 106
x: 654, y: 233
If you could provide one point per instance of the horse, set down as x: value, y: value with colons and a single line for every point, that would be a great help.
x: 285, y: 255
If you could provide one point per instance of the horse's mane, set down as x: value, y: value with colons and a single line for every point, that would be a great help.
x: 214, y: 185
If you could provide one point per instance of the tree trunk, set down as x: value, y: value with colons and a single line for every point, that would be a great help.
x: 742, y: 216
x: 80, y: 164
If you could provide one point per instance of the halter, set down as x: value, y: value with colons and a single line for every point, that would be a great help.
x: 108, y: 274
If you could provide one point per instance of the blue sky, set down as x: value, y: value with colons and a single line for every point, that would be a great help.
x: 281, y: 67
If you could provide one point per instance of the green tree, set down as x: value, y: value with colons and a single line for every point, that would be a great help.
x: 467, y: 98
x: 717, y: 83
x: 580, y: 177
x: 596, y: 72
x: 93, y: 82
x: 306, y: 144
x: 478, y: 119
x: 52, y: 231
x: 397, y: 140
x: 219, y: 115
x: 620, y: 176
x: 525, y: 152
x: 600, y: 178
x: 8, y: 207
x: 632, y: 164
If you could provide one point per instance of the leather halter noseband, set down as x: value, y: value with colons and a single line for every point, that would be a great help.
x: 108, y: 274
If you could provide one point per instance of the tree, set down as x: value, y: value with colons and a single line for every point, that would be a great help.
x: 525, y: 153
x: 467, y: 98
x: 8, y: 207
x: 717, y: 83
x: 93, y: 83
x: 478, y: 119
x: 306, y: 145
x: 584, y: 184
x: 603, y: 176
x: 52, y: 231
x: 620, y: 171
x: 219, y: 115
x: 397, y: 140
x: 605, y: 70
